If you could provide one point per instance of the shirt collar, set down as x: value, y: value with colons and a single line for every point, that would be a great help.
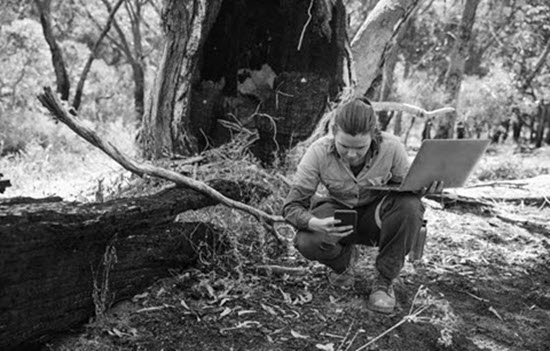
x: 332, y: 149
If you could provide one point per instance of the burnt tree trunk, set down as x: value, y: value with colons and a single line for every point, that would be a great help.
x: 54, y: 256
x: 211, y: 43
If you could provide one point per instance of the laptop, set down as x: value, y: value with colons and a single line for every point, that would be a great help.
x: 447, y: 160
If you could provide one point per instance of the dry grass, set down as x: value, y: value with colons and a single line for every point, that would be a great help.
x: 70, y: 168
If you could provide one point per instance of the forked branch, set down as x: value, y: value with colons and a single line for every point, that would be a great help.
x: 51, y: 102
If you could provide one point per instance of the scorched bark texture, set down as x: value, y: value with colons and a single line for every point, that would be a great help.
x: 51, y: 253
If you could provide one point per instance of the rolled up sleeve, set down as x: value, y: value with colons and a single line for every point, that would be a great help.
x: 400, y: 164
x: 297, y: 203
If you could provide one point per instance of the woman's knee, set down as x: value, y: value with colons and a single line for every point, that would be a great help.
x: 313, y: 246
x: 308, y: 244
x: 408, y: 203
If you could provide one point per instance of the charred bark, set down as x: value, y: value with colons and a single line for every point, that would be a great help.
x: 52, y: 254
x: 290, y: 63
x: 207, y: 51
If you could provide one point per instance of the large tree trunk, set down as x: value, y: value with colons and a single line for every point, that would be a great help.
x: 455, y: 71
x: 60, y: 262
x: 166, y: 127
x: 207, y: 52
x: 291, y: 56
x: 388, y: 69
x: 374, y: 38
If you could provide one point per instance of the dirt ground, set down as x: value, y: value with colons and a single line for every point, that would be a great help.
x: 482, y: 284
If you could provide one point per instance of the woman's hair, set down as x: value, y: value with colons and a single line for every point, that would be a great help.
x: 357, y: 117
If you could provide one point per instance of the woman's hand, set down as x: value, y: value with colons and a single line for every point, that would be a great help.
x: 435, y: 188
x: 330, y: 226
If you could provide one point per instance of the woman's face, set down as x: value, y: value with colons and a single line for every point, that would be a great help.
x: 352, y: 149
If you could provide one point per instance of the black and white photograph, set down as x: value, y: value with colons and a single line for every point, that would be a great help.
x: 273, y: 175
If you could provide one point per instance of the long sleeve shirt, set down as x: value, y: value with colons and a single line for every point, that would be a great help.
x: 321, y: 164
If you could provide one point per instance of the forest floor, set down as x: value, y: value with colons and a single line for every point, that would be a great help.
x: 482, y: 284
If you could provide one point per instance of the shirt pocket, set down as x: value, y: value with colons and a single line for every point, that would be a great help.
x: 337, y: 187
x: 378, y: 180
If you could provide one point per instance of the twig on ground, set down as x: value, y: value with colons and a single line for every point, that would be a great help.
x: 411, y: 317
x: 546, y: 201
x: 345, y: 337
x: 276, y: 269
x: 359, y: 331
x: 476, y: 297
x: 538, y: 227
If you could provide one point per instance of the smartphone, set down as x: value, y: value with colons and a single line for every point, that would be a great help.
x: 346, y: 217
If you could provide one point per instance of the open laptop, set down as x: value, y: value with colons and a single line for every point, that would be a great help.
x: 447, y: 160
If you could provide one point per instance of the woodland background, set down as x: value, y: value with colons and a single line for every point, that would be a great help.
x: 110, y: 65
x: 483, y: 282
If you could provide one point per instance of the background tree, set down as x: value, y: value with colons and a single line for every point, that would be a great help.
x: 128, y: 39
x: 62, y: 78
x: 208, y: 45
x: 455, y: 71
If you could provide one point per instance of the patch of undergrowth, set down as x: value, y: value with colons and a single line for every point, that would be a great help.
x: 49, y: 159
x: 511, y: 169
x: 508, y: 162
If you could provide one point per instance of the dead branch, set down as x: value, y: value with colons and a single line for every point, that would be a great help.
x: 88, y: 65
x: 447, y: 199
x: 52, y: 103
x: 280, y: 270
x: 413, y: 110
x: 324, y: 123
x: 528, y: 224
x: 509, y: 183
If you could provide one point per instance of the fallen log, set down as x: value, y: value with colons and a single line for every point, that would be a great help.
x: 56, y: 256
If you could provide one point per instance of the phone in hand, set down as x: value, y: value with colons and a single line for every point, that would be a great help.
x: 346, y: 217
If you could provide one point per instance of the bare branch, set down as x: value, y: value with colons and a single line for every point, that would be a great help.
x: 413, y: 110
x: 88, y: 65
x: 124, y: 43
x: 51, y: 102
